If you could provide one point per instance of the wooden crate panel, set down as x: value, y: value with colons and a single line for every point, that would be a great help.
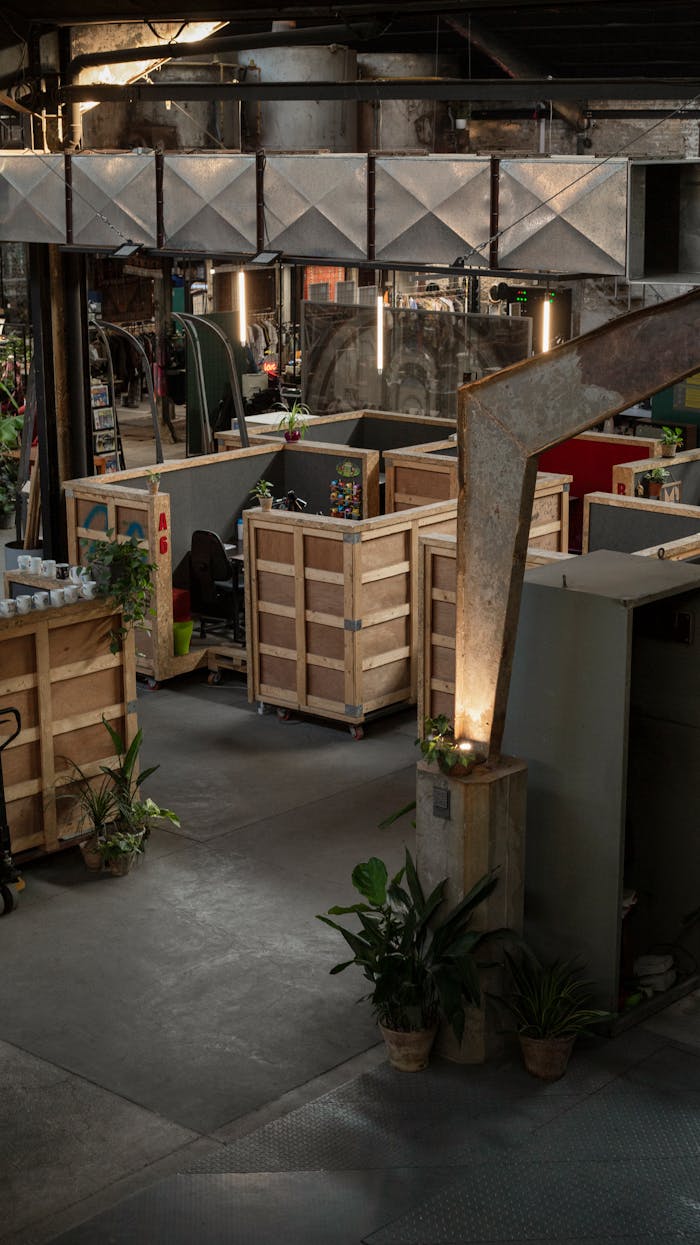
x: 90, y: 691
x: 325, y: 641
x: 76, y: 642
x: 429, y: 484
x: 441, y: 702
x: 322, y: 598
x: 275, y: 589
x: 443, y: 664
x: 393, y: 678
x: 443, y: 573
x: 326, y: 684
x: 384, y: 551
x: 385, y: 637
x: 550, y: 540
x: 21, y: 762
x: 546, y: 509
x: 274, y: 546
x: 446, y: 527
x: 323, y: 554
x: 444, y: 617
x: 277, y: 631
x: 384, y: 594
x: 91, y: 514
x: 132, y: 522
x: 26, y: 702
x: 18, y: 656
x: 84, y: 745
x: 25, y: 819
x: 278, y: 672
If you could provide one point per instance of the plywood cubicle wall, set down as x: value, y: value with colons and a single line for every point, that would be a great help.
x: 56, y: 668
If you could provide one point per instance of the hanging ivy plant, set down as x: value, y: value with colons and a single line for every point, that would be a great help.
x: 122, y: 571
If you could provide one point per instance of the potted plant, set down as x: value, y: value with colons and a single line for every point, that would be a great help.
x: 263, y: 492
x: 119, y: 851
x: 420, y: 968
x: 671, y: 438
x: 97, y: 813
x: 456, y: 758
x: 653, y: 480
x: 550, y: 1006
x: 153, y: 479
x: 134, y: 813
x: 293, y: 422
x: 122, y: 571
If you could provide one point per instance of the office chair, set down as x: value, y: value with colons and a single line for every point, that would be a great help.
x: 214, y: 585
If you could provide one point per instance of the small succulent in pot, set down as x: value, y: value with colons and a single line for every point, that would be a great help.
x: 263, y: 492
x: 671, y: 439
x: 153, y: 478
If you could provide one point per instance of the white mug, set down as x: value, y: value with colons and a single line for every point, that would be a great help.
x: 24, y: 603
x: 41, y: 600
x: 48, y: 567
x: 71, y: 593
x: 89, y: 589
x: 8, y: 606
x: 76, y: 573
x: 35, y: 566
x: 24, y: 561
x: 57, y: 596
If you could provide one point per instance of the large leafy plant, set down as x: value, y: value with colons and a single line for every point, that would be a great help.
x: 550, y: 1000
x: 419, y: 967
x: 134, y: 813
x: 122, y: 571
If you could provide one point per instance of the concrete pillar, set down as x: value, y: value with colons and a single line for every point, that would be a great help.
x: 466, y: 827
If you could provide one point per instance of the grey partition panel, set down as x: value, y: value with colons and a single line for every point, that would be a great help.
x: 114, y: 199
x: 394, y: 434
x: 316, y: 205
x: 577, y: 644
x: 209, y: 203
x: 563, y: 215
x: 432, y: 206
x: 32, y: 199
x: 626, y: 530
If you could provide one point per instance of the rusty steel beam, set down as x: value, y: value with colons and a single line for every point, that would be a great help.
x: 504, y: 422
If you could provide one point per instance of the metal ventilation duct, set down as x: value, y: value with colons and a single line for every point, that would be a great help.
x: 431, y: 205
x: 316, y: 205
x: 209, y: 204
x: 32, y: 198
x: 114, y: 198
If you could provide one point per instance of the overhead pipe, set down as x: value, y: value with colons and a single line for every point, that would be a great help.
x: 513, y: 63
x: 229, y: 43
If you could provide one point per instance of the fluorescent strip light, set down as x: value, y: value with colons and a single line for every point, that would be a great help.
x: 546, y: 317
x: 380, y: 334
x: 242, y: 310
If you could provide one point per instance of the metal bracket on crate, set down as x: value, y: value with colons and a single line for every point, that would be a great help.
x: 131, y: 706
x: 353, y: 711
x: 352, y: 624
x: 352, y: 538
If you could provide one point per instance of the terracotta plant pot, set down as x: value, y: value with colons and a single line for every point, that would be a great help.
x: 409, y: 1052
x: 546, y: 1058
x: 120, y: 865
x: 91, y: 856
x: 653, y: 488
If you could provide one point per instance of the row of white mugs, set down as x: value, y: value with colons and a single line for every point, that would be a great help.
x: 52, y: 570
x: 69, y: 595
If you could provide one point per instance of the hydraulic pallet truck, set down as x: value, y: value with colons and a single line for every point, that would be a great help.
x: 10, y: 879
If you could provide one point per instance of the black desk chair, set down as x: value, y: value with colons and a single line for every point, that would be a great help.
x: 214, y: 585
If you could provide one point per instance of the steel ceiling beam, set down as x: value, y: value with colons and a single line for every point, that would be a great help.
x: 523, y: 90
x: 504, y: 422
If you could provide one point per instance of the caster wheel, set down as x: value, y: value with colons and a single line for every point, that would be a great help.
x: 7, y: 900
x: 214, y: 677
x: 152, y: 684
x: 357, y: 732
x: 284, y: 715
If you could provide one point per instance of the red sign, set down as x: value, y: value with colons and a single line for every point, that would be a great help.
x: 163, y: 544
x: 162, y: 523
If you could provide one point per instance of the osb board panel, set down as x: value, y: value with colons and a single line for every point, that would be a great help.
x: 278, y: 672
x: 326, y: 684
x: 18, y: 657
x: 132, y: 521
x: 446, y: 527
x: 274, y: 546
x: 441, y: 702
x: 417, y: 482
x: 382, y: 681
x: 383, y: 594
x: 25, y: 821
x: 26, y: 704
x: 385, y: 637
x: 275, y: 589
x: 549, y: 541
x: 322, y: 598
x: 385, y: 551
x: 92, y: 514
x: 546, y: 509
x: 443, y: 663
x: 323, y: 554
x: 444, y: 615
x: 277, y: 631
x: 76, y: 642
x: 325, y: 641
x: 21, y: 763
x: 444, y: 573
x: 89, y: 691
x: 87, y: 744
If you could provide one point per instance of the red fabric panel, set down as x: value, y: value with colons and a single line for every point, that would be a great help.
x: 590, y: 462
x: 182, y: 606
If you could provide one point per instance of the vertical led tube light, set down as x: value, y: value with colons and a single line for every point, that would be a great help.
x: 546, y: 320
x: 380, y: 334
x: 242, y: 309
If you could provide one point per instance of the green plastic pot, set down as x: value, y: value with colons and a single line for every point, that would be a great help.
x: 182, y: 634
